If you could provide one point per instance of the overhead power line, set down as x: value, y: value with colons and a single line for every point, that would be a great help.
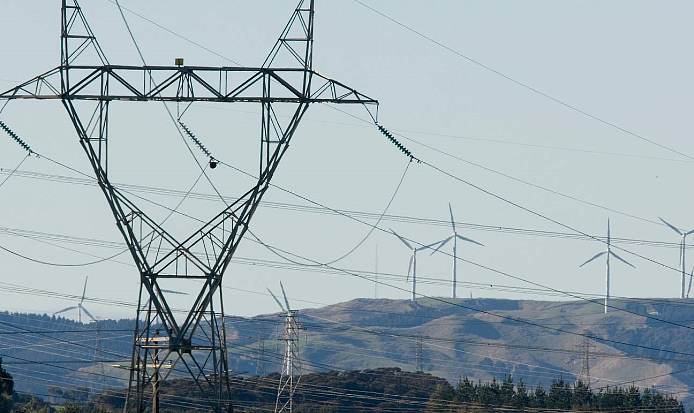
x: 525, y: 321
x: 313, y: 327
x: 274, y: 250
x: 505, y: 200
x: 333, y: 367
x: 9, y: 175
x: 472, y: 138
x: 324, y: 366
x: 522, y: 84
x: 354, y: 213
x: 538, y: 146
x: 505, y: 317
x: 511, y: 177
x: 486, y: 267
x: 418, y: 33
x: 180, y: 36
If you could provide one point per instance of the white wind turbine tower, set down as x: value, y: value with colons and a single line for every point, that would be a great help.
x: 79, y: 306
x: 607, y: 253
x: 413, y: 262
x: 683, y: 247
x: 291, y: 364
x: 454, y: 237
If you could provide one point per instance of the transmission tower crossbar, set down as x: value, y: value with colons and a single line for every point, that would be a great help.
x: 196, y: 341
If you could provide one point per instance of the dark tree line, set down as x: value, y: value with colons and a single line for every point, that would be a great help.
x: 561, y: 395
x: 378, y: 390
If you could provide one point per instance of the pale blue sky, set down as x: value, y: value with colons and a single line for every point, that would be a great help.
x: 623, y: 61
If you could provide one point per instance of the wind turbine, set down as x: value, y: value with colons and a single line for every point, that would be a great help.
x: 286, y: 309
x: 291, y: 364
x: 413, y: 262
x: 683, y: 247
x: 79, y: 306
x: 455, y: 238
x: 607, y: 253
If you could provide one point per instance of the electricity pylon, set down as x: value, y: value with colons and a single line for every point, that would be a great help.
x: 585, y: 347
x: 291, y: 363
x: 260, y: 362
x: 419, y: 357
x: 98, y: 383
x: 196, y: 340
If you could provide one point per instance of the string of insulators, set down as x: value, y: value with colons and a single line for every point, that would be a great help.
x: 395, y: 142
x: 16, y: 138
x: 213, y: 161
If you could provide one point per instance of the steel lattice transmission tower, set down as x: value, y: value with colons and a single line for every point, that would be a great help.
x: 291, y: 362
x: 419, y: 356
x: 98, y: 383
x: 260, y: 362
x: 585, y: 347
x: 196, y: 341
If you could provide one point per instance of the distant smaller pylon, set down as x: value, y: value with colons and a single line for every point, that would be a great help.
x: 260, y: 362
x: 420, y: 353
x: 585, y: 347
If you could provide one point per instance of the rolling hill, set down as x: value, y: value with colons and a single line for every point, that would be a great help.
x: 647, y: 344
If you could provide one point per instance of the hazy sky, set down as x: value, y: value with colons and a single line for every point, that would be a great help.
x: 622, y: 61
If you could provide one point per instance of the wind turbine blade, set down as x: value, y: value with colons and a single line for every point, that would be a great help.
x: 452, y: 220
x: 691, y: 275
x: 84, y: 290
x: 594, y: 257
x: 469, y: 240
x: 671, y: 226
x: 681, y: 251
x: 429, y: 246
x: 409, y: 269
x: 689, y: 233
x: 88, y: 313
x: 401, y: 239
x: 442, y: 243
x: 172, y: 292
x: 276, y: 300
x: 285, y: 297
x: 65, y: 309
x: 621, y: 259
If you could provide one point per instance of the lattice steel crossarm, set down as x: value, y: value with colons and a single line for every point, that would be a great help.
x: 184, y: 84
